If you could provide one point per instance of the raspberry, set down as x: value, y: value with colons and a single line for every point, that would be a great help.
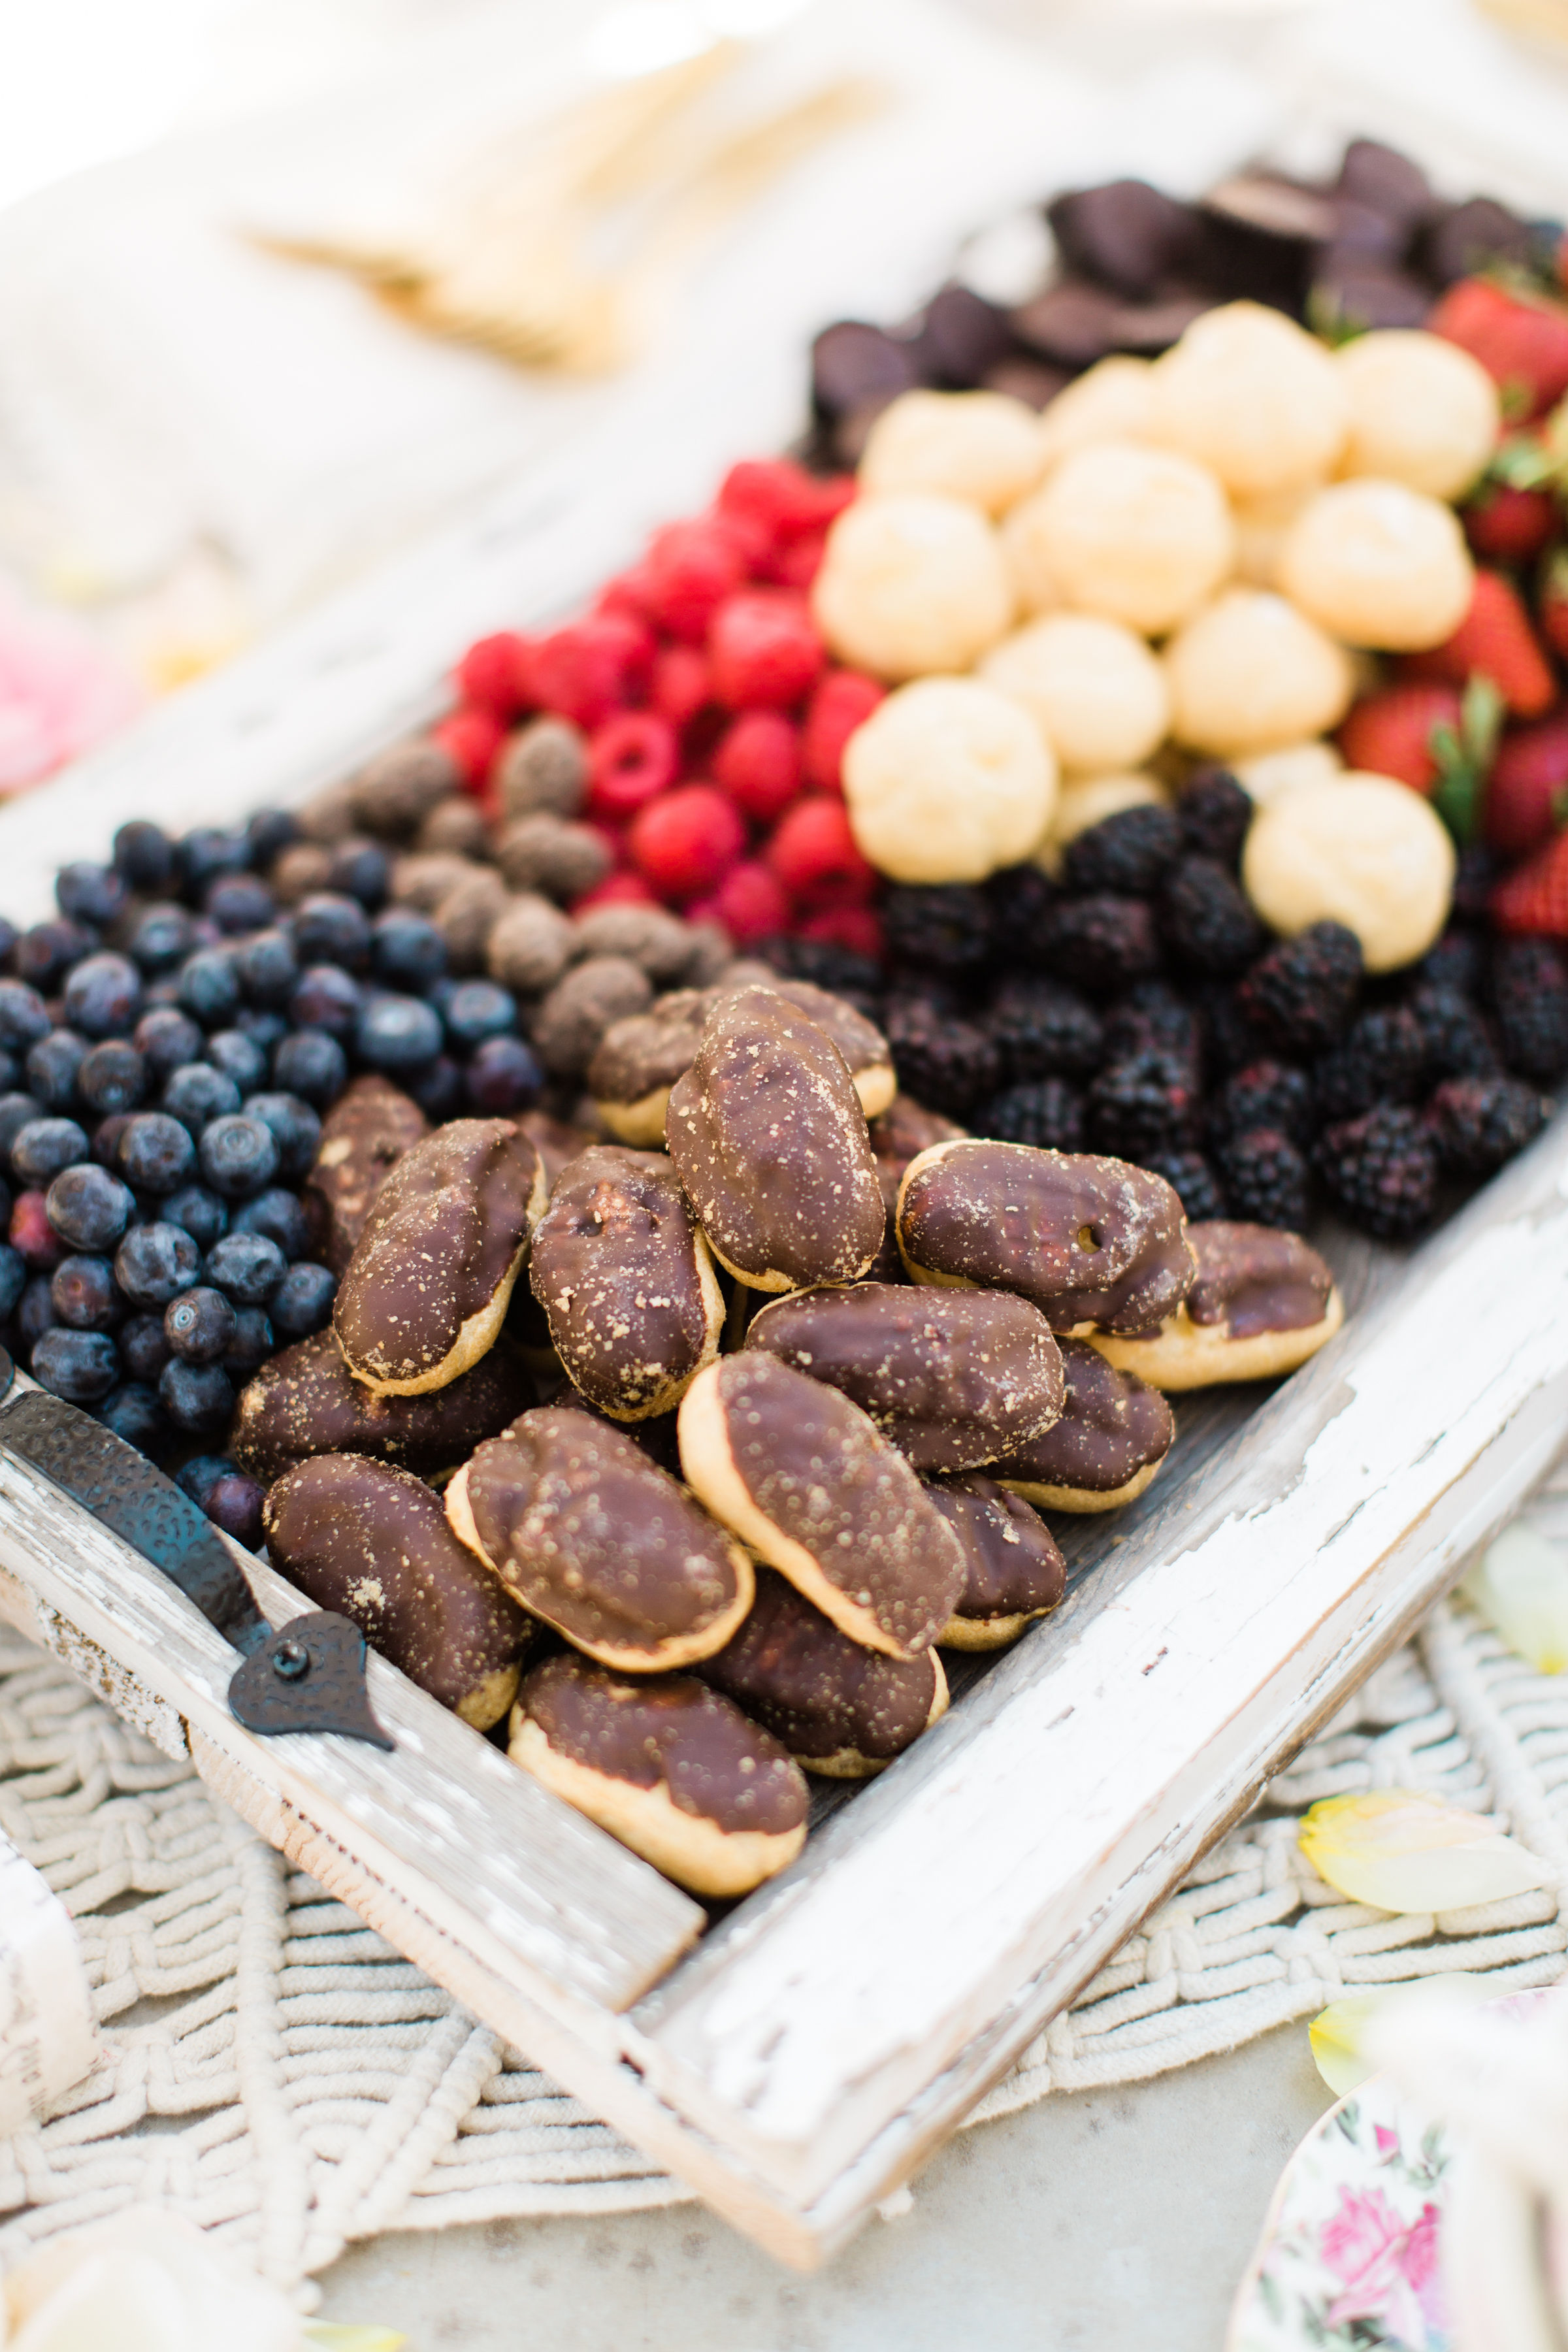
x: 691, y: 568
x: 1045, y: 1112
x: 1127, y: 854
x: 758, y: 763
x: 615, y: 891
x: 1099, y: 943
x: 782, y: 497
x: 1145, y: 1103
x: 814, y: 853
x: 1213, y: 812
x: 940, y: 927
x: 1205, y: 919
x: 945, y: 1063
x: 1382, y: 1172
x: 592, y: 668
x: 1478, y: 1122
x: 856, y: 930
x: 493, y: 674
x: 796, y: 563
x: 680, y: 684
x: 1265, y: 1179
x: 632, y: 758
x: 843, y: 700
x: 1045, y: 1031
x: 627, y: 594
x: 471, y: 741
x: 1193, y: 1182
x: 765, y: 649
x: 1303, y: 991
x: 684, y: 843
x: 750, y: 902
x: 1379, y: 1061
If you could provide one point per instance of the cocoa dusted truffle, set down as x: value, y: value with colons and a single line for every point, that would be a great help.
x: 1014, y: 1568
x: 1264, y: 1301
x: 363, y: 1137
x: 305, y: 1402
x: 1114, y: 1433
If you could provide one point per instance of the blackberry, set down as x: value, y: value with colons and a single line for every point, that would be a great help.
x: 1265, y: 1094
x: 947, y: 1064
x: 1459, y: 961
x: 1204, y: 918
x: 1266, y: 1181
x: 1019, y: 897
x: 1231, y: 1041
x: 938, y: 926
x: 1213, y: 812
x: 1480, y: 1122
x: 1127, y: 854
x: 1379, y: 1061
x: 1192, y: 1181
x: 1479, y: 867
x: 1099, y: 943
x: 1147, y: 1103
x: 1045, y: 1112
x: 1381, y: 1172
x: 1151, y: 1018
x: 1044, y: 1030
x: 1454, y: 1036
x: 856, y: 978
x: 1303, y: 991
x: 1530, y: 996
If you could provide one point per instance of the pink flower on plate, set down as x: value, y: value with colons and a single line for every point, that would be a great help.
x: 1389, y: 2267
x: 59, y: 693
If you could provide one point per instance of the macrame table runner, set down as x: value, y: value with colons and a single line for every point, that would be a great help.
x: 275, y: 2070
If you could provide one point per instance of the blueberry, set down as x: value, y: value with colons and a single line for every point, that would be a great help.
x: 163, y: 936
x: 113, y: 1076
x: 85, y: 893
x: 135, y: 1414
x: 154, y: 1263
x: 310, y: 1064
x: 331, y: 928
x: 326, y: 999
x: 267, y: 1029
x: 145, y: 856
x: 199, y: 1475
x: 240, y: 902
x: 197, y: 1397
x: 85, y: 1294
x: 155, y: 1153
x: 45, y: 954
x: 105, y: 1137
x: 165, y: 1038
x: 502, y: 1077
x: 88, y: 1207
x: 251, y: 1345
x: 406, y: 950
x: 437, y: 1089
x: 8, y: 938
x: 200, y: 857
x: 204, y: 1217
x: 238, y: 1154
x: 44, y: 1147
x: 103, y: 996
x: 302, y: 1302
x: 10, y: 1071
x: 246, y: 1268
x: 280, y: 1217
x: 197, y: 1094
x: 143, y: 1351
x: 209, y: 987
x: 295, y: 1129
x: 52, y: 1066
x: 362, y: 870
x: 24, y: 1017
x: 13, y: 1280
x: 80, y: 1366
x: 397, y: 1034
x: 239, y: 1057
x: 35, y: 1311
x: 478, y: 1009
x: 268, y: 966
x: 234, y: 1505
x: 16, y: 1112
x: 269, y: 834
x: 198, y: 1325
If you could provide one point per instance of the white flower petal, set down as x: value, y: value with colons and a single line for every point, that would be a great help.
x: 1339, y: 2034
x: 1400, y: 1850
x: 1520, y: 1584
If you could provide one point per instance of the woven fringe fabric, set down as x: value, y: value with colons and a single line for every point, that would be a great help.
x: 273, y: 2069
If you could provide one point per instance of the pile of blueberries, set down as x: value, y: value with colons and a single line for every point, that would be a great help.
x: 167, y: 1049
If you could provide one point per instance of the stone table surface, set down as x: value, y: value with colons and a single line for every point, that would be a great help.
x: 1115, y: 2221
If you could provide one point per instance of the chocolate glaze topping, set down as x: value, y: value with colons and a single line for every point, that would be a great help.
x: 374, y: 1543
x: 615, y: 1266
x: 792, y: 1669
x: 1089, y: 1240
x: 951, y: 1378
x: 590, y: 1536
x: 440, y: 1238
x: 1010, y: 1555
x: 672, y: 1729
x: 556, y: 1140
x: 1112, y: 1425
x: 906, y: 1129
x: 307, y: 1402
x: 859, y: 1041
x: 769, y: 1141
x: 363, y: 1136
x: 1255, y: 1279
x: 817, y: 1468
x: 649, y: 1049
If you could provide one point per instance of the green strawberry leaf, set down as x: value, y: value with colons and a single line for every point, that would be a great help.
x: 1464, y: 755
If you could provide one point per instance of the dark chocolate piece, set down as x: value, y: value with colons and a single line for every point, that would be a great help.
x: 951, y: 1378
x: 363, y: 1137
x: 622, y: 1271
x: 305, y: 1402
x: 374, y: 1543
x: 1014, y: 1568
x: 1087, y: 1239
x: 1113, y: 1431
x: 852, y: 365
x: 769, y: 1141
x: 1255, y: 1278
x: 1124, y: 234
x: 840, y: 1709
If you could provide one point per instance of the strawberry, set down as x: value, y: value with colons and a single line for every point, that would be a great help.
x: 1391, y: 731
x: 1527, y: 782
x: 1534, y: 896
x: 1520, y: 339
x: 1494, y: 640
x: 1551, y: 605
x: 1505, y: 525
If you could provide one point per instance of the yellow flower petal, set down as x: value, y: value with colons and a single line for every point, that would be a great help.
x: 1520, y: 1583
x: 328, y: 2335
x: 1403, y: 1851
x: 1337, y: 2033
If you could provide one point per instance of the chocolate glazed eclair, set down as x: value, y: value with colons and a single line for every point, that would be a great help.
x: 590, y: 1535
x: 1014, y: 1570
x: 1094, y: 1243
x: 1264, y: 1301
x: 625, y: 1279
x: 808, y: 1482
x: 444, y: 1240
x: 374, y: 1544
x: 673, y: 1768
x: 307, y: 1402
x: 1114, y: 1433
